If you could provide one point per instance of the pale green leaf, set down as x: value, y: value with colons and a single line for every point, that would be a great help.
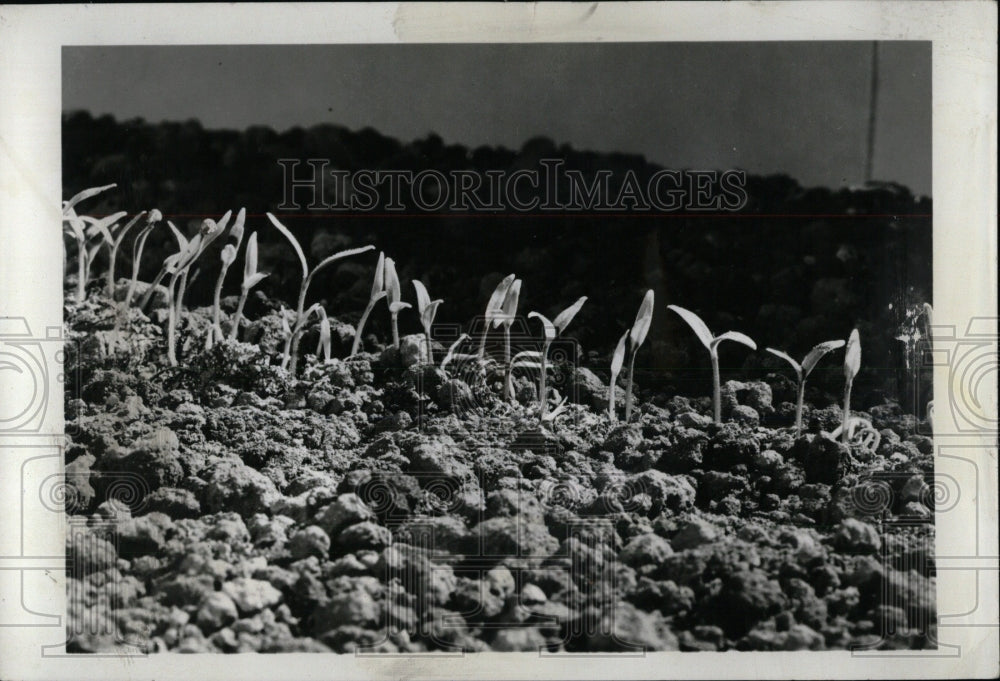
x: 816, y: 354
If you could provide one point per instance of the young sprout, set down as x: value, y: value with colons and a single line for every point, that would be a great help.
x: 77, y: 228
x: 154, y: 218
x: 712, y: 344
x: 803, y: 370
x: 395, y: 295
x: 552, y: 330
x: 228, y: 257
x: 636, y: 338
x: 453, y: 352
x: 290, y: 356
x: 427, y: 309
x: 210, y: 231
x: 617, y: 360
x: 506, y: 317
x: 378, y: 293
x: 113, y: 251
x: 852, y: 364
x: 323, y: 346
x: 175, y: 265
x: 251, y: 277
x: 494, y: 308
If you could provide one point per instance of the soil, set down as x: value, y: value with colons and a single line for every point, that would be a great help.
x: 380, y: 503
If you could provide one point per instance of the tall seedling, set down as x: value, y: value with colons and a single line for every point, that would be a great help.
x: 803, y: 370
x: 852, y: 364
x: 228, y: 257
x: 636, y: 338
x: 290, y: 355
x: 712, y: 344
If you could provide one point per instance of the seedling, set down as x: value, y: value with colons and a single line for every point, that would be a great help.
x: 323, y: 346
x: 228, y: 257
x: 427, y: 309
x: 494, y: 309
x: 803, y: 370
x: 154, y: 218
x: 617, y: 360
x: 378, y: 293
x: 453, y: 353
x: 506, y: 317
x: 76, y: 226
x: 635, y: 339
x: 395, y: 295
x: 712, y: 344
x: 251, y: 277
x: 175, y: 265
x: 290, y: 355
x: 552, y: 330
x: 852, y: 364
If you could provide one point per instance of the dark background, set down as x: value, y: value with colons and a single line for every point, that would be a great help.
x: 797, y: 266
x: 197, y: 130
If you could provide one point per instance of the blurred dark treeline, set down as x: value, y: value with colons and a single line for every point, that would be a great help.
x: 795, y: 267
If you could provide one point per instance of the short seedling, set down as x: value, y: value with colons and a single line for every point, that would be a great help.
x: 427, y: 309
x: 395, y: 295
x: 803, y: 370
x: 228, y: 257
x: 251, y: 277
x: 852, y: 364
x: 494, y: 309
x: 377, y: 294
x: 712, y: 344
x: 290, y: 355
x: 552, y: 329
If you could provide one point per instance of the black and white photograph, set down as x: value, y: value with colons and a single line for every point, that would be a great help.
x: 499, y: 348
x: 589, y: 349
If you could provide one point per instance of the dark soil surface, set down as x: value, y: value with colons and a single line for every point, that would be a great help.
x: 381, y: 503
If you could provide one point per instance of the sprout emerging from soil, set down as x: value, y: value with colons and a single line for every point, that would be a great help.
x: 494, y: 309
x: 852, y: 363
x: 251, y: 277
x: 395, y: 298
x: 427, y: 309
x: 636, y: 337
x: 508, y: 313
x: 228, y: 257
x: 803, y: 370
x: 617, y: 360
x: 323, y: 347
x: 290, y: 355
x: 712, y: 344
x: 552, y: 330
x: 154, y: 218
x: 378, y: 293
